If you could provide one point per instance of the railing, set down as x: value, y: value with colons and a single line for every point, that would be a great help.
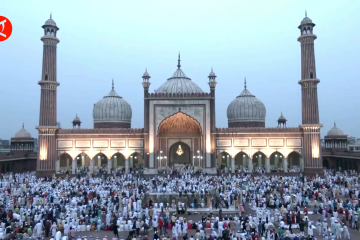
x: 179, y: 95
x: 18, y: 156
x: 258, y: 129
x: 101, y: 131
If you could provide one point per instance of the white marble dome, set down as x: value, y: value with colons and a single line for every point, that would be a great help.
x: 112, y: 109
x: 246, y: 108
x: 179, y: 83
x: 335, y: 131
x: 50, y: 22
x: 22, y: 133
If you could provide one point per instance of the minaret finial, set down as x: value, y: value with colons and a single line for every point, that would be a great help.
x: 179, y: 62
x: 112, y: 87
x: 305, y: 13
x: 245, y: 82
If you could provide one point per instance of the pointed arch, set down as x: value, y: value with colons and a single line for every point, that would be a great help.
x: 276, y: 160
x: 258, y: 159
x: 82, y: 160
x: 65, y: 161
x: 118, y: 161
x: 179, y: 123
x: 136, y: 160
x: 100, y: 160
x: 293, y: 159
x: 223, y: 159
x: 241, y: 159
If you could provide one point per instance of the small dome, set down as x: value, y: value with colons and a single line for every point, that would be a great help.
x: 335, y: 131
x: 76, y: 119
x: 179, y: 83
x: 212, y: 74
x: 306, y: 20
x: 50, y: 21
x: 247, y: 109
x: 22, y: 133
x: 112, y: 111
x: 281, y: 118
x: 146, y: 74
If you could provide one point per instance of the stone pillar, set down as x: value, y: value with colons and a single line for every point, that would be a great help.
x: 232, y: 165
x: 92, y: 163
x: 109, y: 166
x: 57, y: 166
x: 302, y: 164
x: 250, y: 165
x: 228, y: 163
x: 83, y: 161
x: 276, y: 161
x: 127, y: 165
x: 285, y: 164
x: 67, y: 163
x: 267, y: 165
x: 73, y: 166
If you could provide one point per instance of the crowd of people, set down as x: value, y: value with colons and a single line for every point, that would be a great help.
x: 236, y: 206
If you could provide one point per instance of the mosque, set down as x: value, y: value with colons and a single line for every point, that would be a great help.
x: 179, y: 125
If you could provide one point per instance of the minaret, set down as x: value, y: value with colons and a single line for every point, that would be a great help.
x: 212, y: 84
x: 309, y: 100
x: 48, y: 121
x: 146, y: 84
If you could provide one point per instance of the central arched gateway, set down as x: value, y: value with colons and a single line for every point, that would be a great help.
x: 179, y: 141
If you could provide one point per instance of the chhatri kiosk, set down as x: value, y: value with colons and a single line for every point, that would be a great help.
x: 179, y: 125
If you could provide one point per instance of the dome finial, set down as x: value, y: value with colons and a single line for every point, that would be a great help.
x: 50, y: 15
x: 23, y: 125
x: 179, y: 61
x: 305, y: 13
x: 334, y: 124
x: 245, y: 82
x: 112, y: 87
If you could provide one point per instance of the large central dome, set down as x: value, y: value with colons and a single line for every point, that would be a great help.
x: 246, y: 111
x: 112, y: 112
x: 179, y: 83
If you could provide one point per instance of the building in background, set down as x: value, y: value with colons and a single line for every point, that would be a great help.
x: 21, y: 154
x: 340, y: 151
x: 4, y: 146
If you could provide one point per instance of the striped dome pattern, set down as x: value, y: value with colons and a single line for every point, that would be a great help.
x: 112, y: 108
x: 246, y: 107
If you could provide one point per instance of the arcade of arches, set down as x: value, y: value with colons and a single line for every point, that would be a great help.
x: 179, y: 141
x: 100, y: 160
x: 341, y: 163
x: 276, y: 163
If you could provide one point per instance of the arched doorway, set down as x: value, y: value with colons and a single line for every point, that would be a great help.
x: 188, y: 148
x: 224, y: 160
x: 118, y: 161
x: 325, y: 163
x: 136, y: 160
x: 100, y: 161
x: 294, y: 164
x: 177, y: 156
x: 276, y: 162
x: 65, y: 162
x: 82, y: 160
x: 241, y: 160
x: 258, y: 160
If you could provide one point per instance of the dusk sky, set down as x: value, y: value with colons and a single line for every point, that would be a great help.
x: 105, y: 40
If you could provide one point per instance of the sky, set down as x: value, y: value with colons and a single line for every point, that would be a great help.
x: 105, y: 40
